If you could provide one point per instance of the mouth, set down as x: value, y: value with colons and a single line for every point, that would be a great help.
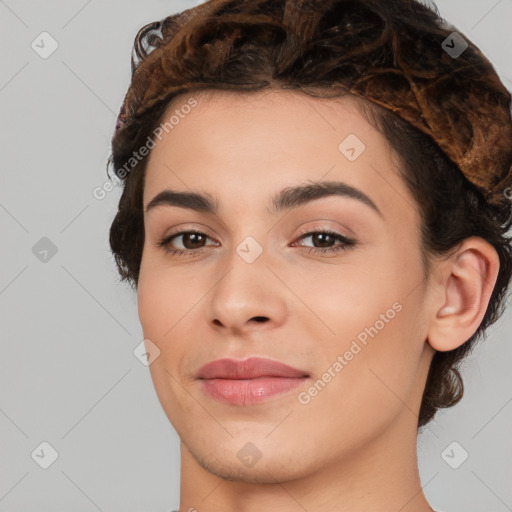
x: 249, y: 381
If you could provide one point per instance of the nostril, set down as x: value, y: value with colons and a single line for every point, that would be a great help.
x: 260, y: 318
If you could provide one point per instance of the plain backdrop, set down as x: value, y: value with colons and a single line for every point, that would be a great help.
x: 73, y: 395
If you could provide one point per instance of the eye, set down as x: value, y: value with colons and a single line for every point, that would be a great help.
x: 325, y: 238
x: 191, y: 242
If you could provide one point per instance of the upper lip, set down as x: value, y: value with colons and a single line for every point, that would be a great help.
x: 247, y: 369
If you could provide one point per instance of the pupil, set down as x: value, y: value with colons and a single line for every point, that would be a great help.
x: 194, y: 235
x: 323, y: 235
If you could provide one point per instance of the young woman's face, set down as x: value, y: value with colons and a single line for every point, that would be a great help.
x: 253, y: 276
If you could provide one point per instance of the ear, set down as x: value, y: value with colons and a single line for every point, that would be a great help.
x: 467, y: 281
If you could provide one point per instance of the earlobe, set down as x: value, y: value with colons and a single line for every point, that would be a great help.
x: 471, y: 274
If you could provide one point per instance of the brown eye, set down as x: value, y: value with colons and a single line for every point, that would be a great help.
x: 191, y: 242
x: 323, y: 240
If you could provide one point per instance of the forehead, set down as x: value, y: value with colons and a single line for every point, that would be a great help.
x: 242, y: 148
x: 295, y: 116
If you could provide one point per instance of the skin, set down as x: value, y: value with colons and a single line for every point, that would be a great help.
x: 353, y: 446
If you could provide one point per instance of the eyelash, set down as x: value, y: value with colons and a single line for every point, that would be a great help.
x: 347, y: 243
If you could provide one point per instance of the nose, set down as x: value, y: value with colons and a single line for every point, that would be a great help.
x: 247, y: 297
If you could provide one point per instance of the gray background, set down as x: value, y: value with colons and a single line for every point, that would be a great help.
x: 68, y: 373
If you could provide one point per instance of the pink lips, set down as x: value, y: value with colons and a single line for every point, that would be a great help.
x: 250, y: 381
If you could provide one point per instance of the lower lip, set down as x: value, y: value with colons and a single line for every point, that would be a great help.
x: 249, y: 391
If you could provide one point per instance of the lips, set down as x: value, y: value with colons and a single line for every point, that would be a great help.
x: 248, y: 369
x: 250, y: 381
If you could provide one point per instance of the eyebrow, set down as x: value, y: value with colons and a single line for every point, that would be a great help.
x: 290, y: 197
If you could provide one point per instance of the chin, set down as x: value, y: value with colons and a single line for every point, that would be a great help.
x: 265, y: 471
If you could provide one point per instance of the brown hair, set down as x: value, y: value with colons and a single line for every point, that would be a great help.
x: 328, y: 49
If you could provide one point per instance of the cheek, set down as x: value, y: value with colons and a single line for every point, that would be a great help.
x: 149, y: 303
x: 371, y: 308
x: 156, y: 297
x: 168, y: 300
x: 162, y: 310
x: 350, y: 296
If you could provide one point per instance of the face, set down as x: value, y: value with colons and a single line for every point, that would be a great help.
x: 329, y: 282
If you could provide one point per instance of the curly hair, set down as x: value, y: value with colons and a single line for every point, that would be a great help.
x: 448, y: 120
